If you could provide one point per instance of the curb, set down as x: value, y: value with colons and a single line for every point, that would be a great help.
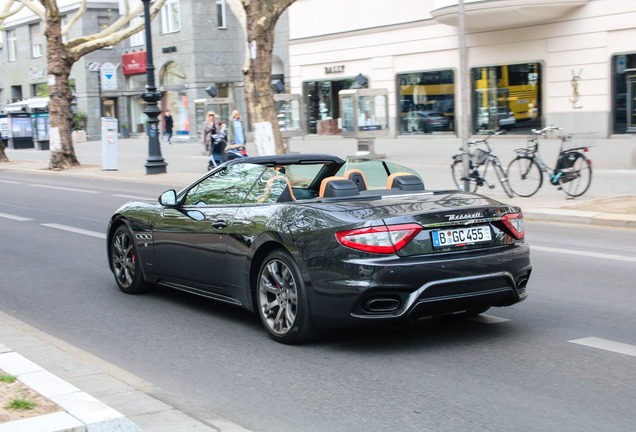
x: 96, y: 396
x: 82, y: 411
x: 580, y: 217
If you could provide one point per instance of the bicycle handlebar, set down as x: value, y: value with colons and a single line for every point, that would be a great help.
x: 491, y: 133
x: 545, y: 130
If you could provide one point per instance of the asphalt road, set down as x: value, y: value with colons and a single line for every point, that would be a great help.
x: 562, y: 360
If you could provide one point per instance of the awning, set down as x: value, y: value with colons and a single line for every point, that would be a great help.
x: 28, y: 104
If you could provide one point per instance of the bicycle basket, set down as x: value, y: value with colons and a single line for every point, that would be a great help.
x: 480, y: 156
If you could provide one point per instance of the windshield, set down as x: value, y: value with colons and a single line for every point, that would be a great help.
x: 376, y: 172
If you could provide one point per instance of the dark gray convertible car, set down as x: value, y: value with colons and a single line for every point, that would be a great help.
x: 313, y: 242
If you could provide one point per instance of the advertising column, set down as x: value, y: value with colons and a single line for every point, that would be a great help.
x: 109, y: 144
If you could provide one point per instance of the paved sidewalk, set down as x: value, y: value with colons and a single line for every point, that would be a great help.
x: 613, y: 178
x: 98, y: 396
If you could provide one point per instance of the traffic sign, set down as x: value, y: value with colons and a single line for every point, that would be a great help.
x: 109, y: 76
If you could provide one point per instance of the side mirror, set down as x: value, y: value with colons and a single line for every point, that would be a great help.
x: 168, y: 198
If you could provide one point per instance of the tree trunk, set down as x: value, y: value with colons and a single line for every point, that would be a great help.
x: 3, y: 156
x: 59, y: 62
x: 261, y: 17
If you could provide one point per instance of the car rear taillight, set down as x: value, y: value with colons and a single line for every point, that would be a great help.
x: 514, y: 223
x: 380, y: 239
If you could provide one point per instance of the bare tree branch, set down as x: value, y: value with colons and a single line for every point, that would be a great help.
x: 6, y: 11
x: 34, y: 7
x: 76, y: 16
x: 115, y: 32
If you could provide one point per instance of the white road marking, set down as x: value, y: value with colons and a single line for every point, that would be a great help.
x: 489, y: 319
x: 9, y: 181
x: 584, y: 253
x: 76, y: 230
x: 14, y: 217
x: 607, y: 345
x: 135, y: 197
x: 66, y: 188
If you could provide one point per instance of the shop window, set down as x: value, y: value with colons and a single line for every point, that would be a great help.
x: 175, y: 99
x: 426, y: 102
x: 507, y: 97
x: 623, y: 92
x: 321, y: 100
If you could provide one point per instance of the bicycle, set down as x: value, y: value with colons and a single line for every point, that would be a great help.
x: 572, y: 172
x: 480, y: 159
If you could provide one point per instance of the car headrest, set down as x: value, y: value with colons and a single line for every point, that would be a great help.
x: 335, y: 187
x: 404, y: 181
x: 356, y: 176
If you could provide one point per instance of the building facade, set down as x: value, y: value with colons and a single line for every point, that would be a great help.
x: 569, y: 62
x: 196, y: 44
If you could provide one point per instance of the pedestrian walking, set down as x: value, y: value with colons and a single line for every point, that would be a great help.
x: 208, y: 130
x: 236, y: 134
x: 169, y: 123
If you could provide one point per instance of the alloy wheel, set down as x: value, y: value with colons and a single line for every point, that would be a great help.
x: 124, y: 258
x: 278, y: 296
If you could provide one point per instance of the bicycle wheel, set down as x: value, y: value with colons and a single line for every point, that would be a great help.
x: 457, y: 169
x: 576, y: 179
x: 503, y: 179
x: 524, y: 176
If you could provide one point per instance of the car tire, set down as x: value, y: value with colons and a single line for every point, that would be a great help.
x: 124, y: 262
x: 281, y: 300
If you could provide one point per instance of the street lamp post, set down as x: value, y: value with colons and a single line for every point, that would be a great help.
x: 155, y: 163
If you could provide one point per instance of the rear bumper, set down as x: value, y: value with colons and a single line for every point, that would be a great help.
x: 394, y: 288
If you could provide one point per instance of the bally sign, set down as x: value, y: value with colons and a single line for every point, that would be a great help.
x: 133, y: 63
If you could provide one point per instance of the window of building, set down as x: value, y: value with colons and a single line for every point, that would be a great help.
x: 16, y: 93
x: 507, y: 97
x: 103, y: 22
x: 623, y: 91
x: 36, y: 40
x: 426, y: 102
x: 170, y: 17
x: 220, y: 14
x: 63, y: 22
x: 12, y: 43
x: 40, y: 90
x: 138, y: 39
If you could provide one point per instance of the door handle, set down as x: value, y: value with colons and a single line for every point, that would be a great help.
x: 219, y: 224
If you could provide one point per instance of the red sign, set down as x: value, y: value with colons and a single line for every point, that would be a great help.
x: 133, y: 63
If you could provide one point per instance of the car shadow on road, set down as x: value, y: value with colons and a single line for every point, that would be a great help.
x: 440, y: 332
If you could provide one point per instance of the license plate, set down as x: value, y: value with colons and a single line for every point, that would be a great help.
x: 461, y: 236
